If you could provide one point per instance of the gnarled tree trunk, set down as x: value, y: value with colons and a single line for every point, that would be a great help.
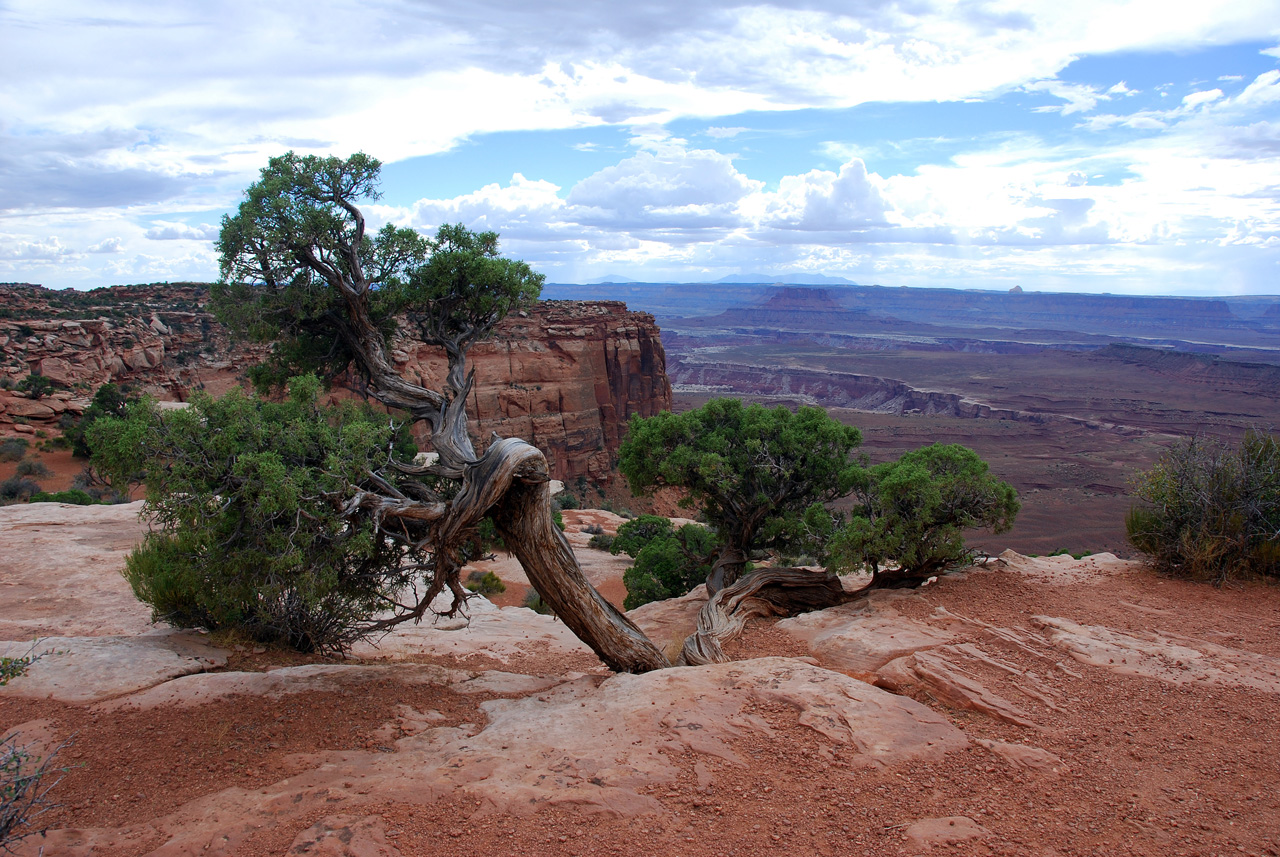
x: 767, y: 592
x: 509, y: 483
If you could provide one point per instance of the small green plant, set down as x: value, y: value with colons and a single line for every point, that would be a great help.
x: 668, y: 562
x: 565, y: 500
x: 485, y: 583
x: 534, y: 602
x: 36, y: 386
x: 601, y: 542
x: 912, y: 513
x: 33, y: 467
x: 108, y: 401
x: 17, y: 489
x: 73, y: 496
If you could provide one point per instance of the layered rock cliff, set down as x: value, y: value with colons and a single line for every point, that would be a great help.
x: 566, y: 375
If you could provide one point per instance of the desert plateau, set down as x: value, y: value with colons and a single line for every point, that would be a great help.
x: 1030, y: 706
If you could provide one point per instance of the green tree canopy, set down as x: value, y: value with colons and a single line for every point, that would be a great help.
x: 248, y: 497
x: 911, y: 514
x: 668, y: 562
x: 297, y: 251
x: 758, y: 476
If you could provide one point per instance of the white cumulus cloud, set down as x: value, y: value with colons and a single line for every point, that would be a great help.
x: 164, y: 230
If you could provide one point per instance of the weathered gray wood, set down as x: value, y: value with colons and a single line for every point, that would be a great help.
x: 522, y: 513
x: 509, y: 483
x: 767, y: 592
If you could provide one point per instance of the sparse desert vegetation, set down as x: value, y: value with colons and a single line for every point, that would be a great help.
x: 1211, y: 511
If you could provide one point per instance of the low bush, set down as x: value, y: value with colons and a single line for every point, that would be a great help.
x: 13, y: 448
x: 33, y: 467
x: 1213, y: 510
x: 565, y: 500
x: 228, y: 482
x: 485, y: 583
x: 36, y: 386
x: 108, y: 401
x: 601, y: 542
x: 17, y: 489
x: 911, y: 515
x: 668, y: 562
x: 534, y: 602
x: 74, y: 496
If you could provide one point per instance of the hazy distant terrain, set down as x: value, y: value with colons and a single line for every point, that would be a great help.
x: 1065, y: 395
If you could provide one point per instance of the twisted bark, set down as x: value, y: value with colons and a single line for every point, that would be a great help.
x: 767, y: 592
x: 509, y: 482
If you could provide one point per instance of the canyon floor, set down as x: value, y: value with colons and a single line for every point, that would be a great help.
x: 1031, y: 707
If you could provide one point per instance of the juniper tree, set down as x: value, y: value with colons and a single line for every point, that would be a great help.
x: 301, y: 270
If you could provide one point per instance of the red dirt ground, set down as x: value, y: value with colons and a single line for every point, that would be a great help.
x: 1150, y: 768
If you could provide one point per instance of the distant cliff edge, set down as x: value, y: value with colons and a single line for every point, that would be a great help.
x: 565, y: 375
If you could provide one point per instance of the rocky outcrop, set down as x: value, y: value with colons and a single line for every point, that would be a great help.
x: 566, y: 375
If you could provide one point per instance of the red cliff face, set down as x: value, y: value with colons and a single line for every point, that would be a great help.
x: 566, y: 375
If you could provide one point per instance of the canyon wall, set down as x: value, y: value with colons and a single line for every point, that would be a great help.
x: 832, y: 389
x: 566, y: 375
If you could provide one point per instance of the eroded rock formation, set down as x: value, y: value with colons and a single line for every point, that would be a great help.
x: 565, y: 376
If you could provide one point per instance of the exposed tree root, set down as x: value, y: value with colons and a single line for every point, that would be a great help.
x: 767, y: 592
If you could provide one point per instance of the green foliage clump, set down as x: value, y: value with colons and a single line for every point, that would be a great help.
x: 36, y: 386
x: 13, y: 666
x: 1213, y: 510
x: 246, y: 495
x: 911, y: 513
x: 296, y: 221
x: 485, y: 583
x: 601, y: 542
x: 565, y: 500
x: 13, y: 448
x: 758, y: 476
x: 534, y: 602
x: 668, y: 562
x: 73, y: 496
x: 109, y: 400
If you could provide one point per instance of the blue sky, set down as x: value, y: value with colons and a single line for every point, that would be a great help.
x: 1091, y: 146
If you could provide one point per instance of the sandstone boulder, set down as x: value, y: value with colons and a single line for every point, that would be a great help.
x: 61, y: 571
x: 88, y: 669
x: 864, y: 635
x: 1168, y: 657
